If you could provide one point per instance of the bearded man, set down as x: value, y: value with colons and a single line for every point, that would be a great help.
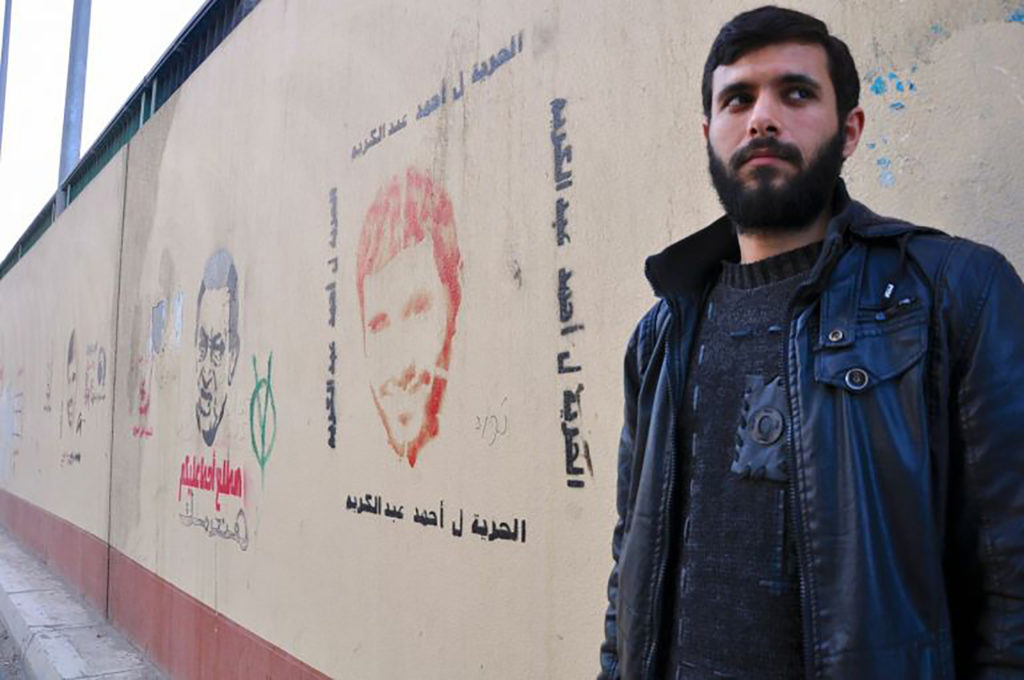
x: 407, y: 277
x: 820, y: 470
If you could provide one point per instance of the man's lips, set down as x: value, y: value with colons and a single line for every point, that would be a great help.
x: 764, y: 159
x: 205, y: 403
x: 409, y: 383
x: 766, y: 153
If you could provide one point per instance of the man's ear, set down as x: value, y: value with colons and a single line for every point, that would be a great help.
x: 706, y: 124
x: 853, y: 128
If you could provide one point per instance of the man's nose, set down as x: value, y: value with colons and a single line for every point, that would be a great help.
x: 407, y: 376
x: 764, y: 118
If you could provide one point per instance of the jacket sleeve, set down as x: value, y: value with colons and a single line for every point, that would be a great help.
x: 989, y: 443
x: 609, y: 652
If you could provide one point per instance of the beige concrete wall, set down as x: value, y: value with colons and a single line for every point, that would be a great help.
x: 268, y: 160
x: 57, y: 315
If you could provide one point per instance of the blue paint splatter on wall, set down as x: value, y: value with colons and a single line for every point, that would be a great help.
x: 892, y: 85
x: 1017, y: 16
x: 885, y: 176
x: 937, y: 29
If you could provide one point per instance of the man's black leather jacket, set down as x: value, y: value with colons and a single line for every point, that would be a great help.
x: 904, y: 367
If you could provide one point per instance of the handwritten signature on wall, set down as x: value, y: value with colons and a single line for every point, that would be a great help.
x: 491, y: 426
x: 216, y: 526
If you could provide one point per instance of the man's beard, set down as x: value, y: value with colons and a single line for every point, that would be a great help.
x: 789, y: 207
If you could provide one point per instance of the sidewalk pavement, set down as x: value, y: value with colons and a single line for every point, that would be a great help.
x: 10, y: 657
x: 60, y: 636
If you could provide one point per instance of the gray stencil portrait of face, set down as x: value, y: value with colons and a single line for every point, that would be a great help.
x: 216, y: 341
x: 72, y: 409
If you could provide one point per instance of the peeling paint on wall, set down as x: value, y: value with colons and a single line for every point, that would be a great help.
x: 179, y: 301
x: 158, y: 321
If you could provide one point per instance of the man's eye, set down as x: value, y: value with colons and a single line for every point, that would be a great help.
x: 217, y: 351
x: 378, y: 323
x: 736, y: 101
x: 800, y: 93
x: 417, y: 305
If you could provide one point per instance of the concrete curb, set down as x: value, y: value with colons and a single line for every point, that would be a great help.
x: 60, y: 636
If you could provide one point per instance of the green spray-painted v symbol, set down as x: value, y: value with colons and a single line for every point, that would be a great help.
x: 262, y: 409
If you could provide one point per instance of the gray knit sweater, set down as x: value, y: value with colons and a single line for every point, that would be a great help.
x: 736, y: 600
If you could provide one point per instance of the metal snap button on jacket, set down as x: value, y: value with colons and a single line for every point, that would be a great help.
x: 766, y: 425
x: 836, y: 335
x: 856, y: 379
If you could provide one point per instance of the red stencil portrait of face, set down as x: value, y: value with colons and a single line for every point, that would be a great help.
x: 407, y: 277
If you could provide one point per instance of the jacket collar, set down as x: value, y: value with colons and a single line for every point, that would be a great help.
x: 688, y: 265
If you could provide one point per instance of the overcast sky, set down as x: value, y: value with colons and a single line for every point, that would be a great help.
x: 126, y: 38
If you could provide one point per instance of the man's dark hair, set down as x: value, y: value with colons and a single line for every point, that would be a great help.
x: 771, y: 25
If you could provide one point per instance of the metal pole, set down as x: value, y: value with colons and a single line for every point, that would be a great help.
x: 74, y: 97
x: 3, y: 66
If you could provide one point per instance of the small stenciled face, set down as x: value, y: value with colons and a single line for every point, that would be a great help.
x: 215, y: 361
x: 71, y: 383
x: 405, y: 329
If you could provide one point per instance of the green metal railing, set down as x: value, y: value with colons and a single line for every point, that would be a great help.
x: 207, y: 29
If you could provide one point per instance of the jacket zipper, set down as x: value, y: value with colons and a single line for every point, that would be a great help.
x: 803, y: 552
x: 798, y: 513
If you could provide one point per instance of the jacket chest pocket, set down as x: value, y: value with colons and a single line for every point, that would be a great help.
x: 885, y: 345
